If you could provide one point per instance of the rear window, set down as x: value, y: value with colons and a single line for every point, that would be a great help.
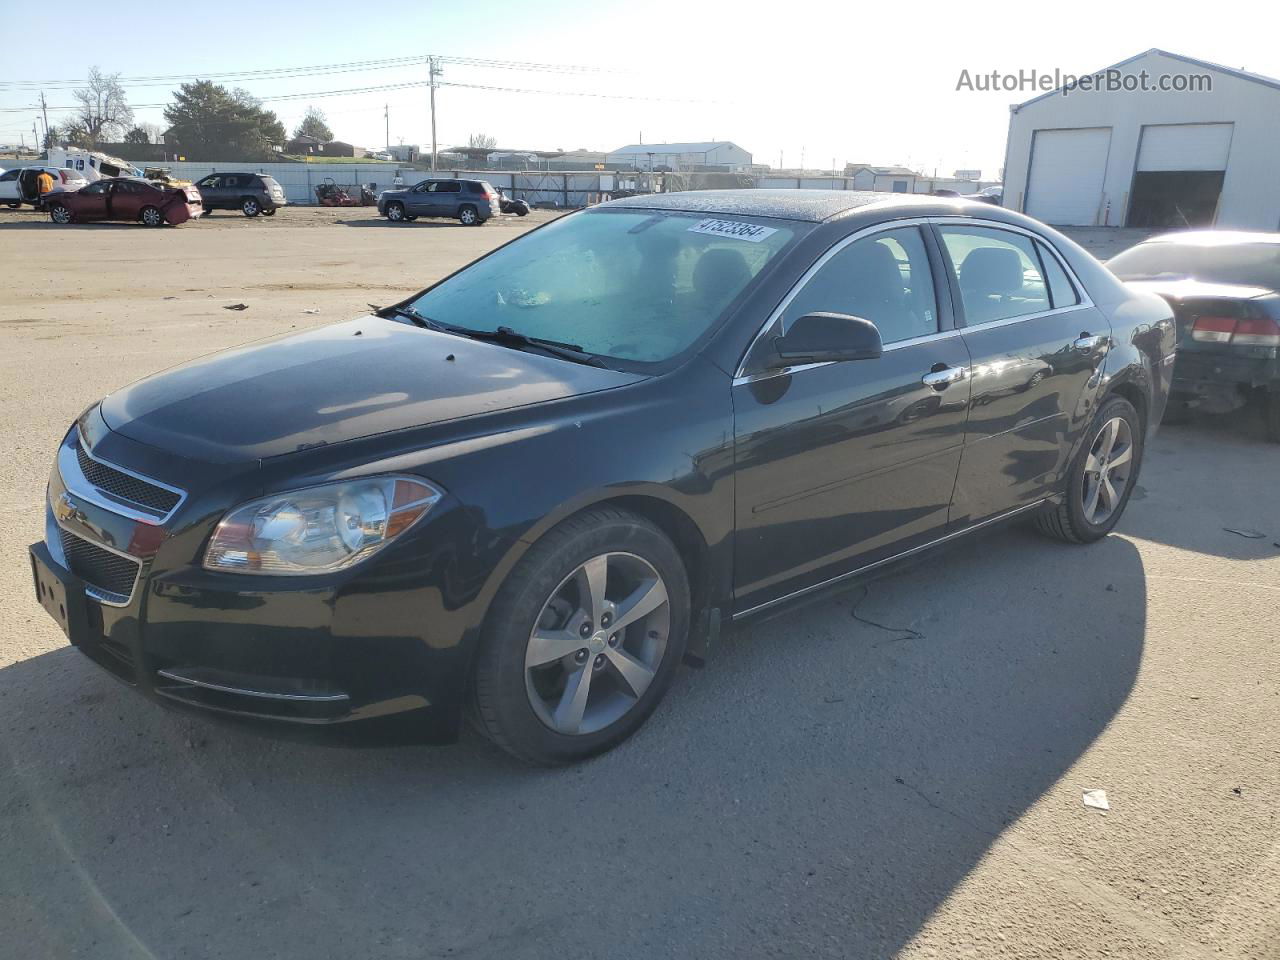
x: 1252, y: 264
x: 269, y: 182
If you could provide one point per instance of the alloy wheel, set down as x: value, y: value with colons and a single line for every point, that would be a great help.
x: 1107, y: 470
x: 60, y: 214
x: 467, y: 216
x: 151, y: 217
x: 395, y: 212
x: 597, y: 643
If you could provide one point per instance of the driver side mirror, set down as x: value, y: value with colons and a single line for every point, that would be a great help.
x: 827, y: 337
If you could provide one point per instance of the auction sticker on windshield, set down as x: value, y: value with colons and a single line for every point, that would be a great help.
x: 751, y: 232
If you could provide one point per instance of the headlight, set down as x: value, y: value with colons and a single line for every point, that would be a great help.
x: 319, y: 529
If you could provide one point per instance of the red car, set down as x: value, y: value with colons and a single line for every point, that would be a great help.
x: 126, y: 198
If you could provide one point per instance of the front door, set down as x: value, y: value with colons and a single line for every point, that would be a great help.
x: 91, y: 201
x: 212, y: 193
x: 1037, y: 345
x: 841, y: 465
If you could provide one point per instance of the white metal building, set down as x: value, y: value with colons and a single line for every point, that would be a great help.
x: 720, y: 154
x: 1193, y: 152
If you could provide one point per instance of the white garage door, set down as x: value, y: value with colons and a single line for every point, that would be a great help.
x: 1184, y: 146
x: 1067, y: 167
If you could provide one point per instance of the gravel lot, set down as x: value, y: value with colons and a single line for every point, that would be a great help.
x: 895, y: 772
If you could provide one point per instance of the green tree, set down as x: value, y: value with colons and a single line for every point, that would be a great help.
x: 137, y: 135
x: 313, y: 125
x: 209, y: 122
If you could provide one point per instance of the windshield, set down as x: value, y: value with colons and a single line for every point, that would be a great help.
x: 632, y: 285
x: 1253, y: 264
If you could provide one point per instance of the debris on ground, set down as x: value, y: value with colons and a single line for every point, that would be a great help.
x: 315, y: 310
x: 1246, y: 533
x: 1096, y: 799
x: 235, y: 306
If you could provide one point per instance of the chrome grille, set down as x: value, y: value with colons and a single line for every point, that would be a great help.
x: 125, y: 486
x: 108, y: 576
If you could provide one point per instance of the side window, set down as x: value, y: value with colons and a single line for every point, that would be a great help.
x: 431, y: 187
x: 9, y: 175
x: 1061, y: 291
x: 884, y: 278
x: 450, y: 186
x: 208, y: 183
x: 998, y: 271
x: 79, y: 163
x: 98, y: 186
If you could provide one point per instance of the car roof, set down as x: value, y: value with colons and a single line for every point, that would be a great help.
x: 1214, y: 238
x: 813, y: 206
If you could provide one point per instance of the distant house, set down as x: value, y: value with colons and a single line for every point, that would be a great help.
x: 308, y: 146
x: 882, y: 179
x: 404, y: 152
x: 719, y: 155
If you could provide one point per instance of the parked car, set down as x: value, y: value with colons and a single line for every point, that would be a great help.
x: 126, y: 198
x: 18, y: 186
x: 527, y: 492
x: 992, y: 195
x: 470, y: 202
x: 1224, y: 287
x: 250, y: 193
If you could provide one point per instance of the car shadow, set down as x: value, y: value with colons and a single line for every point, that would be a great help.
x: 819, y: 790
x: 436, y: 222
x: 1225, y: 466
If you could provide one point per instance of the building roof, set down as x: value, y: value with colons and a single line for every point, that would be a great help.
x: 1204, y: 64
x: 647, y: 148
x: 813, y: 206
x: 883, y: 171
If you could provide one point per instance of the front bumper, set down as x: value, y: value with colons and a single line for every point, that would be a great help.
x: 377, y: 641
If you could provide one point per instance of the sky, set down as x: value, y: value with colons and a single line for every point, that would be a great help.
x: 862, y: 83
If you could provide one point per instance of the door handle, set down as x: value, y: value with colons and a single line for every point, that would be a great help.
x: 1087, y: 342
x: 942, y: 378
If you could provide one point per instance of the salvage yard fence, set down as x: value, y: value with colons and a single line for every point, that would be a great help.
x: 299, y: 180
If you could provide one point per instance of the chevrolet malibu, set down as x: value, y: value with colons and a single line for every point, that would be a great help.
x: 529, y: 492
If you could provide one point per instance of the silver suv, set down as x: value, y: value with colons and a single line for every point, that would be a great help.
x: 470, y: 202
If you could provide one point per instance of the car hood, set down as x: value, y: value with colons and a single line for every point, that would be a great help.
x: 343, y: 382
x: 1188, y: 289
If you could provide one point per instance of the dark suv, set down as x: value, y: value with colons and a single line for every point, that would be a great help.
x: 471, y: 202
x: 250, y: 193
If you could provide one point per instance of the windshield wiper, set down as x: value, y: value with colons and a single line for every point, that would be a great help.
x: 410, y: 314
x: 508, y: 337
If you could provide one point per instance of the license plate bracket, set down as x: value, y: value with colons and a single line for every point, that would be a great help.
x: 60, y: 592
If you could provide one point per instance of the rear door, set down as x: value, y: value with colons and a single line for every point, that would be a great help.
x: 1037, y: 344
x: 128, y: 197
x: 445, y: 198
x: 841, y: 465
x: 9, y: 187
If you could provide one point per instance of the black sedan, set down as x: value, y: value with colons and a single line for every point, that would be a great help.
x: 529, y: 492
x: 1224, y: 287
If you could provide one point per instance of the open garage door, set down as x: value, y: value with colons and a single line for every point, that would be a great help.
x: 1064, y: 185
x: 1179, y: 175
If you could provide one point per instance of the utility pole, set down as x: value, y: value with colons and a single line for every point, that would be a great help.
x: 44, y: 110
x: 386, y: 115
x: 433, y: 71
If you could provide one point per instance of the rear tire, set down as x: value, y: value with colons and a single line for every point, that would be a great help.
x: 250, y: 207
x: 469, y: 216
x: 269, y: 212
x: 1101, y: 477
x: 151, y: 217
x: 523, y: 694
x: 59, y: 214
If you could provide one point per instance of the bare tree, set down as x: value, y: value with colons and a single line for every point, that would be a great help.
x: 103, y: 113
x: 482, y: 141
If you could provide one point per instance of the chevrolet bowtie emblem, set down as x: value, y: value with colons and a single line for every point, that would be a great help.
x: 64, y: 508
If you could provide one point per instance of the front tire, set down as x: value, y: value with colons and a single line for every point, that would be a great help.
x: 395, y: 212
x: 250, y: 207
x: 469, y: 216
x: 1101, y: 478
x: 59, y: 214
x: 583, y: 639
x: 14, y: 206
